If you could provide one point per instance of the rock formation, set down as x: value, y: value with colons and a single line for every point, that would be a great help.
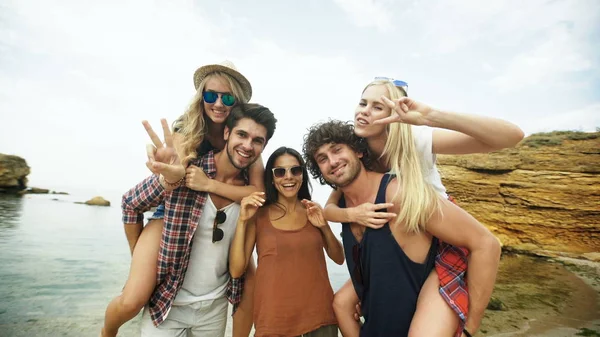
x: 13, y: 173
x: 542, y: 195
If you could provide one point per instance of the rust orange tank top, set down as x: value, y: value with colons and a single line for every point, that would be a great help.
x: 292, y: 294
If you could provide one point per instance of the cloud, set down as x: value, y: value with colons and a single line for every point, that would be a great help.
x: 300, y: 88
x: 521, y: 44
x: 449, y: 26
x: 586, y: 118
x: 77, y: 78
x: 82, y: 89
x: 560, y: 55
x: 368, y: 13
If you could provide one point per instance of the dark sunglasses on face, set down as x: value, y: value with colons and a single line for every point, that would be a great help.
x: 218, y: 232
x: 211, y: 97
x: 279, y: 172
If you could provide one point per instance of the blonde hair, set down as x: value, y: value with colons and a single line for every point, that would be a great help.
x: 417, y: 198
x: 192, y: 126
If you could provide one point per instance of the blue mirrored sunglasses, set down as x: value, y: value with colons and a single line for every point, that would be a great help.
x: 212, y: 96
x: 397, y: 83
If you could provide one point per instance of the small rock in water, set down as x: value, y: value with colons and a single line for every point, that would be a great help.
x: 34, y: 190
x: 97, y: 201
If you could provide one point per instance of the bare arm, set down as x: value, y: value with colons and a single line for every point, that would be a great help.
x: 471, y: 133
x: 333, y: 246
x: 457, y: 227
x: 241, y: 248
x: 366, y: 214
x: 333, y: 212
x: 236, y: 193
x: 244, y: 237
x: 197, y: 180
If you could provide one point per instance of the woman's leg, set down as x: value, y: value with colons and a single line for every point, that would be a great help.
x: 433, y: 316
x: 242, y: 319
x: 344, y: 306
x: 141, y: 281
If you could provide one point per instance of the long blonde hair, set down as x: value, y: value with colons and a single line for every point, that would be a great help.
x: 417, y: 197
x: 192, y: 126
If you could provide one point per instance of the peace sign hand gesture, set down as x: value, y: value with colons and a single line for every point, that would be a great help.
x: 405, y: 110
x: 163, y: 158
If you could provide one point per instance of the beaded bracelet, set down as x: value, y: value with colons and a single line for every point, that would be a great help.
x: 175, y: 184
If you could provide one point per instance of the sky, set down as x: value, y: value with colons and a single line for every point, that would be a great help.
x: 77, y: 77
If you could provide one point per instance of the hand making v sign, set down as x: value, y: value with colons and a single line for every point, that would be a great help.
x: 163, y: 158
x: 405, y: 110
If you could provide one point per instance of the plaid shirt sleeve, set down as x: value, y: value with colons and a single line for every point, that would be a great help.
x: 234, y: 291
x: 145, y: 195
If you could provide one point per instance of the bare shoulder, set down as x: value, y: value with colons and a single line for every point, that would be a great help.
x: 392, y: 189
x: 390, y: 194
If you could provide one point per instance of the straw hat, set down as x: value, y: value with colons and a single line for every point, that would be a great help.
x: 226, y: 67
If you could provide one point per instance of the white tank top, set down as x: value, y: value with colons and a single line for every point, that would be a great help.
x: 207, y: 274
x: 423, y: 136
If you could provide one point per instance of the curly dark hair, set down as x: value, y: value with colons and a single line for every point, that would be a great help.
x: 336, y: 132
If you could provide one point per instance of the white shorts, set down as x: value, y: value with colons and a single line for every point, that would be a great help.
x: 204, y: 318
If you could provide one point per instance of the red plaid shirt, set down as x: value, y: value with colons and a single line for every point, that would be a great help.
x: 183, y: 208
x: 451, y: 266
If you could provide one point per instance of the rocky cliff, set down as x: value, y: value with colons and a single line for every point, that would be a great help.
x: 13, y: 173
x: 542, y: 195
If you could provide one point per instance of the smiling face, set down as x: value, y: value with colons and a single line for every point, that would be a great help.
x: 245, y: 142
x: 338, y: 163
x: 289, y: 184
x: 371, y: 108
x: 217, y: 112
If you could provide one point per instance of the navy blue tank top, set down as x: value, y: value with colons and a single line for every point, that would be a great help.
x: 386, y: 280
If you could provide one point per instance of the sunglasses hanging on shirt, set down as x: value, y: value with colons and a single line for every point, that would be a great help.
x: 218, y: 232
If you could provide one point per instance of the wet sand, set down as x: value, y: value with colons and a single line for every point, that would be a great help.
x: 545, y: 298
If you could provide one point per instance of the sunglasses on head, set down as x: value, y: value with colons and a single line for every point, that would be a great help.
x: 218, y: 232
x: 397, y: 83
x: 279, y: 172
x: 212, y: 96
